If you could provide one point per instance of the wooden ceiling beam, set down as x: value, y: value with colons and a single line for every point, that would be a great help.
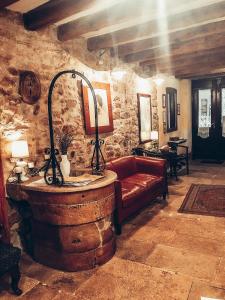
x: 189, y: 63
x: 5, y: 3
x: 200, y: 73
x: 54, y: 11
x: 148, y: 29
x: 182, y: 48
x: 119, y: 13
x: 174, y: 37
x: 192, y: 56
x: 122, y: 12
x: 194, y: 68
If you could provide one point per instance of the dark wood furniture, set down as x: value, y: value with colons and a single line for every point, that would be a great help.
x: 182, y: 157
x: 72, y: 227
x: 140, y: 181
x: 175, y: 143
x: 168, y: 156
x: 174, y: 159
x: 9, y: 263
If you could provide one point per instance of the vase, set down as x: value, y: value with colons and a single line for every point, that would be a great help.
x: 65, y: 165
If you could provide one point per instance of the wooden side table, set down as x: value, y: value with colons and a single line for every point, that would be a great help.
x: 72, y: 227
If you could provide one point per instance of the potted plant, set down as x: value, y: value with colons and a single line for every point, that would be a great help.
x: 64, y: 140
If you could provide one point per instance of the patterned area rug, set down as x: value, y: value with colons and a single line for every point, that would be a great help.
x: 204, y: 199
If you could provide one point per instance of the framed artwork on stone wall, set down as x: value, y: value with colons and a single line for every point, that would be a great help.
x: 103, y: 96
x: 144, y: 117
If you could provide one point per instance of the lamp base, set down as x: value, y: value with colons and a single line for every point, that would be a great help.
x: 22, y: 164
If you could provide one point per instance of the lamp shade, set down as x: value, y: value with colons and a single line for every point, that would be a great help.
x: 20, y: 149
x: 154, y: 135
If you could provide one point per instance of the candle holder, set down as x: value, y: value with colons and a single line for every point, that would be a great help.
x: 53, y: 174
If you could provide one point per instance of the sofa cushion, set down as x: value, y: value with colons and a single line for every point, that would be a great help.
x: 134, y: 185
x: 130, y: 193
x: 124, y: 166
x: 145, y: 180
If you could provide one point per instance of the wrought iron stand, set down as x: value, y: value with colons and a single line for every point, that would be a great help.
x: 56, y: 178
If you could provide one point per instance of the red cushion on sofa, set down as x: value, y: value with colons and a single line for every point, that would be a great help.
x: 134, y: 185
x: 130, y: 193
x: 124, y: 166
x: 145, y: 180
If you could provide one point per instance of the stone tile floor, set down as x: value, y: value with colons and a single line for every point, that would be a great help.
x: 161, y: 255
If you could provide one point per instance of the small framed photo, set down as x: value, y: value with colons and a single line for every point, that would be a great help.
x: 163, y: 100
x: 178, y: 109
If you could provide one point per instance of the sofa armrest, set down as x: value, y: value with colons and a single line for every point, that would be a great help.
x: 149, y: 165
x: 118, y: 194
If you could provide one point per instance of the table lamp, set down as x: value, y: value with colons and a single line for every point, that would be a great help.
x: 154, y: 137
x: 20, y: 151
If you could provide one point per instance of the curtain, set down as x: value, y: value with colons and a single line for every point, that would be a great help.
x: 3, y: 205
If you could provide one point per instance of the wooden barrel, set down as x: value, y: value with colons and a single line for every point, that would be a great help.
x: 73, y: 230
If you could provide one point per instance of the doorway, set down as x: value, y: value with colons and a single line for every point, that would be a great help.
x: 208, y: 118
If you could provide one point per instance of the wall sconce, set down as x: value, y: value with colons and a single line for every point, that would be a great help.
x: 100, y: 55
x: 20, y: 151
x: 158, y: 80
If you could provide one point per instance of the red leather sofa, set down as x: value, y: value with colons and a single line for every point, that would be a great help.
x: 140, y: 180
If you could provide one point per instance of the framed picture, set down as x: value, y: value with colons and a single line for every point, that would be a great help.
x: 144, y: 117
x: 163, y: 100
x: 178, y: 109
x: 103, y: 97
x: 171, y: 109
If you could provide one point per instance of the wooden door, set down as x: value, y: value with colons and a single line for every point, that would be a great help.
x: 208, y: 133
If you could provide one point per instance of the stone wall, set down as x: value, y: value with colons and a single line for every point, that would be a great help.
x: 42, y: 53
x: 184, y: 120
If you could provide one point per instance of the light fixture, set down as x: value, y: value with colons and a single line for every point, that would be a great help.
x: 154, y: 136
x: 158, y: 80
x: 100, y: 55
x: 20, y: 151
x: 12, y: 135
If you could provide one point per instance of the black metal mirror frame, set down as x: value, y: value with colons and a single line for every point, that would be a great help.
x: 172, y: 92
x: 56, y: 178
